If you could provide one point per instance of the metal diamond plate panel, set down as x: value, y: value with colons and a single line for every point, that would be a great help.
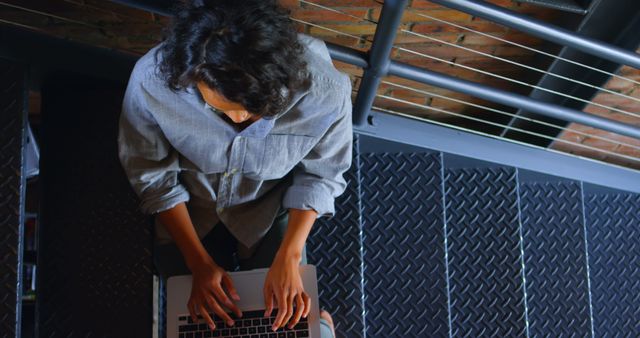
x: 334, y: 247
x: 94, y: 272
x: 485, y: 269
x: 613, y: 229
x: 12, y: 188
x: 405, y: 277
x: 555, y: 259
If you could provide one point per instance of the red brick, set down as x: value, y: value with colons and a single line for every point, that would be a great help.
x: 404, y: 38
x: 424, y: 4
x: 517, y: 37
x: 436, y: 27
x: 119, y: 10
x: 343, y: 3
x: 320, y: 16
x: 578, y: 150
x: 361, y: 29
x: 618, y: 84
x: 445, y: 51
x: 67, y: 11
x: 422, y: 15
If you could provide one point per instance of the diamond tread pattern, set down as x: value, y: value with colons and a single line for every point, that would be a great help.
x: 613, y: 228
x: 333, y: 246
x: 555, y: 259
x: 485, y: 269
x: 12, y: 128
x: 404, y: 260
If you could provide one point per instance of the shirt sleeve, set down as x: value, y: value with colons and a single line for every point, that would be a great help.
x: 147, y: 157
x: 318, y: 178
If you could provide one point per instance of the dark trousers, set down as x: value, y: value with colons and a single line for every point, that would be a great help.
x: 222, y: 247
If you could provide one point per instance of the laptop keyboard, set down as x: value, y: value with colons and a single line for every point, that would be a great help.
x: 253, y: 324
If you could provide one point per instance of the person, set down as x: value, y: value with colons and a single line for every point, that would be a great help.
x: 235, y: 133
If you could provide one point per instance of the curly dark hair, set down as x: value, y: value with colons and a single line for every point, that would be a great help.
x: 246, y: 50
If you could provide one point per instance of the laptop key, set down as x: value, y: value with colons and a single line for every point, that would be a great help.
x: 247, y: 322
x: 262, y: 329
x: 264, y: 335
x: 303, y: 333
x: 291, y: 334
x: 243, y: 330
x: 197, y: 334
x: 253, y: 314
x: 265, y: 321
x: 282, y: 335
x: 273, y: 335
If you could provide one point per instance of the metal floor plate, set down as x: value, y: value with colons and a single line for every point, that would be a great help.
x: 404, y: 262
x: 555, y: 259
x: 613, y: 229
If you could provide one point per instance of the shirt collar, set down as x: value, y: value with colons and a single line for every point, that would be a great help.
x: 263, y: 126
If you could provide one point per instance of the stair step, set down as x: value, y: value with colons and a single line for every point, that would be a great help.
x: 483, y: 241
x: 613, y: 237
x: 555, y: 258
x: 403, y: 236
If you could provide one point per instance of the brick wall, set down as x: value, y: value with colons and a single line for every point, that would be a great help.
x: 110, y: 25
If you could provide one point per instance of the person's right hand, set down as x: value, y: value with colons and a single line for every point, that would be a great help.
x: 207, y: 293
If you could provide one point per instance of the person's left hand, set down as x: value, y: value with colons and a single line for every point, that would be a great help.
x: 284, y: 283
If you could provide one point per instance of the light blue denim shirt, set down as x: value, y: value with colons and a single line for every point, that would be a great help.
x: 175, y: 148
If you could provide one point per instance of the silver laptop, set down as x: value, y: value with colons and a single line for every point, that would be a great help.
x: 249, y: 285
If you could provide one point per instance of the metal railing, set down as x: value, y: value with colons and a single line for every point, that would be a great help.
x: 377, y: 65
x: 379, y: 70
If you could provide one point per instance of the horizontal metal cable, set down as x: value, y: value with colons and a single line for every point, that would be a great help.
x: 511, y: 114
x: 506, y: 113
x: 524, y: 47
x: 498, y: 125
x: 485, y: 54
x: 482, y: 72
x: 519, y: 82
x: 476, y: 132
x: 329, y: 29
x: 522, y: 65
x: 495, y: 110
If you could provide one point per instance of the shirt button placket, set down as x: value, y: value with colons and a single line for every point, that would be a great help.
x: 237, y: 152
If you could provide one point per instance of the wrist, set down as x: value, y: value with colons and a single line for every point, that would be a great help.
x: 197, y: 258
x: 289, y: 254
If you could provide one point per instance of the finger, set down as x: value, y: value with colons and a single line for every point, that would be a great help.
x: 228, y: 283
x: 299, y: 310
x: 207, y: 318
x: 281, y: 297
x: 219, y: 311
x: 192, y: 312
x: 290, y: 297
x: 268, y: 300
x: 307, y: 304
x: 222, y: 297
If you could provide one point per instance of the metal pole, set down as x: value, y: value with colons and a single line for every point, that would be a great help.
x: 510, y: 99
x: 544, y: 30
x: 347, y: 55
x: 390, y: 19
